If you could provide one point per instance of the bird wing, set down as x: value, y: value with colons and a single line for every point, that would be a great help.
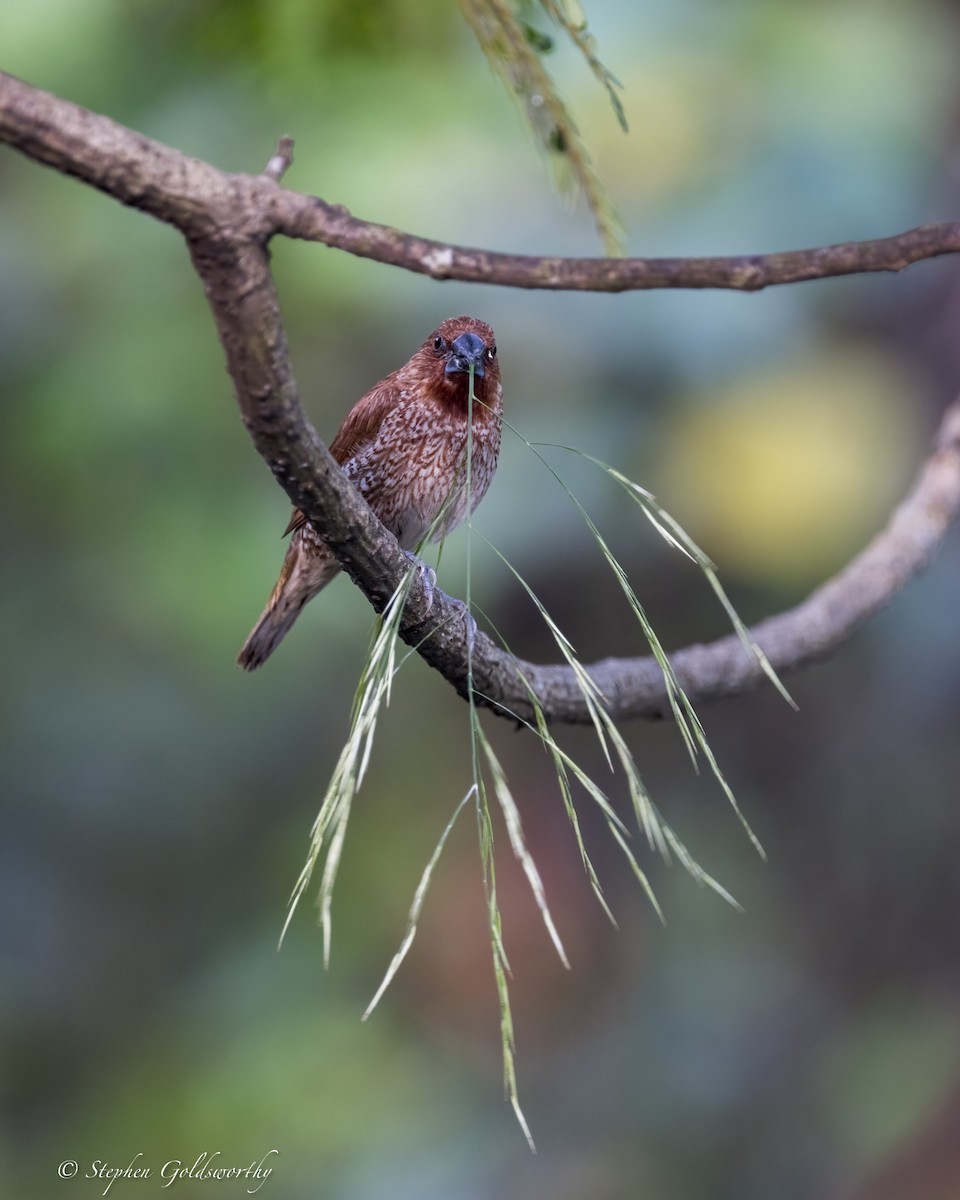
x: 360, y: 427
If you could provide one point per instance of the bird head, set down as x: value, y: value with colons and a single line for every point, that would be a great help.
x: 458, y: 345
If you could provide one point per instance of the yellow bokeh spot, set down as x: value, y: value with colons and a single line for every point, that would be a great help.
x: 784, y: 475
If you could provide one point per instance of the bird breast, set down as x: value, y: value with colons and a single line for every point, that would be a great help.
x: 415, y: 466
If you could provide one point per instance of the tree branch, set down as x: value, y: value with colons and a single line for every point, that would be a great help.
x: 228, y: 220
x: 334, y: 226
x: 192, y: 195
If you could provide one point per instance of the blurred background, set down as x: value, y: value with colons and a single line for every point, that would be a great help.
x: 156, y: 802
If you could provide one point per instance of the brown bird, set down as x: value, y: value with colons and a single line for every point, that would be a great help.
x: 403, y: 445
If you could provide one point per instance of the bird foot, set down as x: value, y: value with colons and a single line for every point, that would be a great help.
x: 428, y: 577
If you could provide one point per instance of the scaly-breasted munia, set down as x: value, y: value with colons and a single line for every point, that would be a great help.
x: 403, y: 445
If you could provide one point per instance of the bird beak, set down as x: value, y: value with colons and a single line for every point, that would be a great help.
x: 466, y: 351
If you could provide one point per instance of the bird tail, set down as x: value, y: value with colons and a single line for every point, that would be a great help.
x: 286, y: 602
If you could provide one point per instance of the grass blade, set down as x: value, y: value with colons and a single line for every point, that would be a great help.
x: 417, y: 906
x: 511, y: 816
x: 674, y: 533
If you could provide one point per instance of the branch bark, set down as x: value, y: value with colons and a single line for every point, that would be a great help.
x: 228, y: 220
x: 191, y: 194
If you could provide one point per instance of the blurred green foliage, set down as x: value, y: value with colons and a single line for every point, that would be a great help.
x: 156, y: 803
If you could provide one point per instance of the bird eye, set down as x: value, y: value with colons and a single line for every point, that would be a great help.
x: 491, y: 353
x: 438, y: 343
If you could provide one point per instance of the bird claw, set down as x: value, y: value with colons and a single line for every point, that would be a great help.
x: 428, y: 577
